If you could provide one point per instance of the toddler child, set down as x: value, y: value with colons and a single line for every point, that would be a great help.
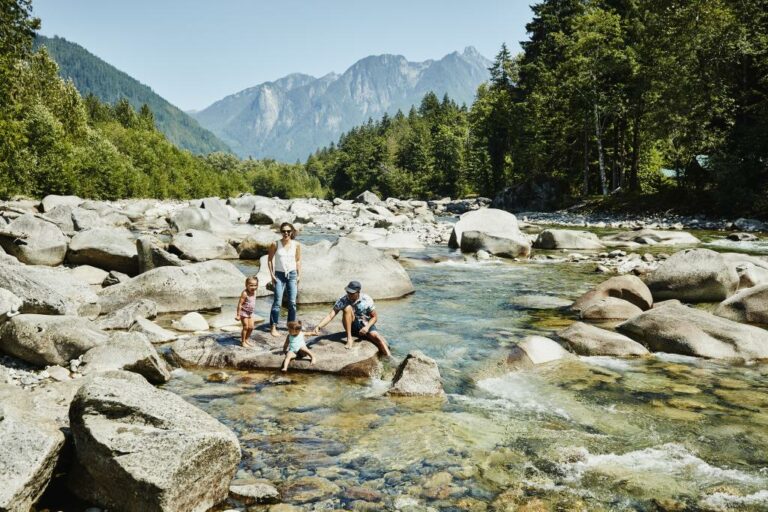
x: 245, y: 310
x: 295, y: 344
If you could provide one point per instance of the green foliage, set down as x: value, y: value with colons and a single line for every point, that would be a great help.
x: 52, y: 141
x: 605, y: 94
x: 93, y: 76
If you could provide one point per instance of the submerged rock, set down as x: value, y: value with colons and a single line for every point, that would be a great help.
x: 143, y: 449
x: 533, y: 350
x: 588, y: 340
x: 417, y: 375
x: 679, y: 329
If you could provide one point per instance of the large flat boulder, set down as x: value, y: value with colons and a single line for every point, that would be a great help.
x: 34, y: 241
x: 106, y: 248
x: 653, y: 237
x: 567, y: 239
x: 129, y: 351
x: 141, y: 449
x: 49, y: 339
x: 256, y: 245
x: 49, y: 291
x: 151, y: 255
x: 588, y: 340
x: 124, y: 317
x: 171, y: 288
x: 693, y: 275
x: 629, y: 288
x: 153, y: 332
x: 221, y: 277
x: 417, y: 375
x: 332, y: 357
x: 680, y: 329
x: 51, y: 201
x: 750, y: 305
x: 197, y: 245
x: 31, y: 445
x: 328, y: 267
x: 752, y: 270
x: 610, y: 308
x: 495, y: 223
x: 191, y: 218
x: 512, y: 246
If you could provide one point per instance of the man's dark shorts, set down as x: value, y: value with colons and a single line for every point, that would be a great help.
x: 358, y: 324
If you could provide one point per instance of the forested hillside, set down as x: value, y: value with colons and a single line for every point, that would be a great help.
x: 92, y: 75
x: 605, y: 96
x: 52, y: 141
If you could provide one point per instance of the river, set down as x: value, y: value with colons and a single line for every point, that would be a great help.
x: 596, y: 433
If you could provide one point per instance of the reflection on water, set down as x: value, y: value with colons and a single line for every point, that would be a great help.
x: 596, y: 433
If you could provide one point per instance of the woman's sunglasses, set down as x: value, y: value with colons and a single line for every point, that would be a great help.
x: 286, y: 231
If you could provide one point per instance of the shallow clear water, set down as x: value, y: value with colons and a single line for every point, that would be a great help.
x: 597, y: 433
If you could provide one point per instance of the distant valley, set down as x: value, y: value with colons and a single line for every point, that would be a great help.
x: 91, y: 75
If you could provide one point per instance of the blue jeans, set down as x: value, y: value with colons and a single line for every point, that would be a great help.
x: 283, y: 281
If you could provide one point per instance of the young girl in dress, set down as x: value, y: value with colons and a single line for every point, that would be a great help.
x: 295, y: 344
x: 245, y: 310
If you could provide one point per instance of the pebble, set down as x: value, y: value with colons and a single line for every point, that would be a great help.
x: 218, y: 377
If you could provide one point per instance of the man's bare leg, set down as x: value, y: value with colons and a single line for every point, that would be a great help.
x: 378, y: 340
x: 348, y: 316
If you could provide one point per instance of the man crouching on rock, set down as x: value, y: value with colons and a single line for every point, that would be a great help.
x: 358, y: 317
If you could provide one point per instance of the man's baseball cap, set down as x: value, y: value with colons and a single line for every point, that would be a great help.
x: 353, y: 287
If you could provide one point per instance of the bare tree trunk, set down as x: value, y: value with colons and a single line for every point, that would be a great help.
x: 585, y: 189
x: 615, y: 158
x: 600, y: 157
x: 633, y: 173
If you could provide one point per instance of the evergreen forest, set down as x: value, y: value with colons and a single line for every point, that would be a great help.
x: 636, y: 102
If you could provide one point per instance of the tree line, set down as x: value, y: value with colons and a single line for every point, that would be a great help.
x: 623, y: 97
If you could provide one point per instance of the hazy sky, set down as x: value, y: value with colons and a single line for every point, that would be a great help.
x: 194, y: 52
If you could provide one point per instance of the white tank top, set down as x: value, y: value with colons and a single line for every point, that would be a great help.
x: 285, y: 257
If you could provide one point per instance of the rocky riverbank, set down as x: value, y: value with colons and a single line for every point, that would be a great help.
x: 88, y: 289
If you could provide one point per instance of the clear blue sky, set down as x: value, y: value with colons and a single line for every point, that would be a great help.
x: 194, y: 52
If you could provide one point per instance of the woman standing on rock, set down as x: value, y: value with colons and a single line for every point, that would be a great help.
x: 284, y: 263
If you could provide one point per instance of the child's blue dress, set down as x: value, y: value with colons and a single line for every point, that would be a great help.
x: 296, y: 342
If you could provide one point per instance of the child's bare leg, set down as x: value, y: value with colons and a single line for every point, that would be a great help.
x: 247, y: 331
x: 244, y: 333
x: 347, y: 317
x: 309, y: 353
x: 288, y: 357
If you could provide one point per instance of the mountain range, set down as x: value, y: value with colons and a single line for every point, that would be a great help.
x: 91, y: 75
x: 289, y: 118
